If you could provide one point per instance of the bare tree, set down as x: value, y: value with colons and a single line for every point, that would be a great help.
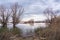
x: 50, y: 14
x: 17, y: 11
x: 4, y: 15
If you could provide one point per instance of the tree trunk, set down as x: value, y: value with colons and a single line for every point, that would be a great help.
x: 4, y: 25
x: 14, y: 25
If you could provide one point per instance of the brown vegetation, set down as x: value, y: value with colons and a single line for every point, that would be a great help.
x: 52, y: 32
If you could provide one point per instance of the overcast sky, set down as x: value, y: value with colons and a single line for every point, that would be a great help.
x: 34, y: 8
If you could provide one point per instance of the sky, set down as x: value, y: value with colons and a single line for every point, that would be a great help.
x: 33, y: 9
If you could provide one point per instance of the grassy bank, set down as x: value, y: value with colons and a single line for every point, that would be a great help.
x: 6, y: 34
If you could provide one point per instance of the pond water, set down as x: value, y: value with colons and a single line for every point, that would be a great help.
x: 26, y: 27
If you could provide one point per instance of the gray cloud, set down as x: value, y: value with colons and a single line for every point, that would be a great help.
x: 35, y: 6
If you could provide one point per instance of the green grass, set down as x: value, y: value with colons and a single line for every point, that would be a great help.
x: 4, y: 29
x: 15, y: 31
x: 5, y: 33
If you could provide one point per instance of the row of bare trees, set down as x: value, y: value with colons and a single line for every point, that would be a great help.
x: 15, y: 11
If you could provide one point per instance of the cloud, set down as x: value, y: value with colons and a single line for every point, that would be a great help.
x: 39, y: 6
x: 35, y: 7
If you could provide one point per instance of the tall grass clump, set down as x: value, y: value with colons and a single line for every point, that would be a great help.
x: 3, y: 29
x: 15, y: 31
x: 6, y: 34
